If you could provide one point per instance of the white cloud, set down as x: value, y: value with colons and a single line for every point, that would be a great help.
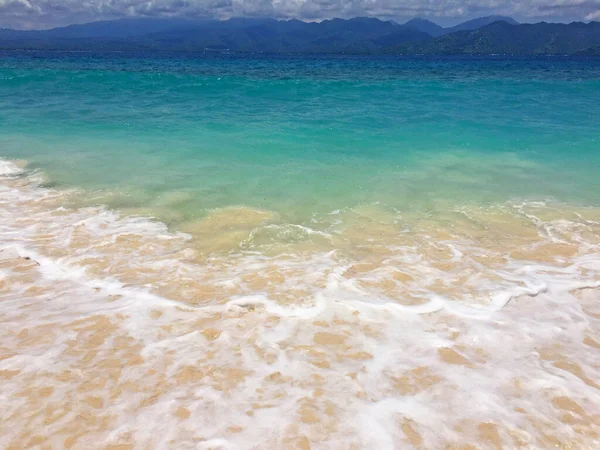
x: 593, y: 15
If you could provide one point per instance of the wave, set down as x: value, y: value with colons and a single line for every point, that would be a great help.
x: 372, y: 329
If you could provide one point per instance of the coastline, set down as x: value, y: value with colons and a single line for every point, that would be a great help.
x: 379, y: 332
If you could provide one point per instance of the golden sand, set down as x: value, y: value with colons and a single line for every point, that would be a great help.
x: 382, y: 331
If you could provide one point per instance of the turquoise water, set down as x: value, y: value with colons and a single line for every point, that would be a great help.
x: 303, y: 136
x: 369, y: 245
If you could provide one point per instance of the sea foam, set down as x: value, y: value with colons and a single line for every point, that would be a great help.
x: 379, y: 334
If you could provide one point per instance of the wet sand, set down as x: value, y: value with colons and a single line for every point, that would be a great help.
x: 475, y: 328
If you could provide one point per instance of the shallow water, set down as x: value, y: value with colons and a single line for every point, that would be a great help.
x: 288, y: 253
x: 180, y: 136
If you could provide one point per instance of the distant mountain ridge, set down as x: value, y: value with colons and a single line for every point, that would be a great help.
x: 436, y: 30
x: 503, y: 38
x: 426, y: 26
x: 361, y: 35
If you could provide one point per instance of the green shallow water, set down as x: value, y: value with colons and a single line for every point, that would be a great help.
x: 181, y: 135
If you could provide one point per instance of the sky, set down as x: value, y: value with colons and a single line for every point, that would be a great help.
x: 38, y: 14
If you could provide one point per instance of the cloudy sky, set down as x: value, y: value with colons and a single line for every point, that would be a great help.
x: 28, y: 14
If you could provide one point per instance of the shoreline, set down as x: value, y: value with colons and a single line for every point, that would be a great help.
x: 115, y: 333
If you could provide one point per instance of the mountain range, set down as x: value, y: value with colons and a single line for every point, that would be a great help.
x: 435, y: 30
x: 486, y: 35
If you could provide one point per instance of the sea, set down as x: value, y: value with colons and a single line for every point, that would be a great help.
x: 220, y: 251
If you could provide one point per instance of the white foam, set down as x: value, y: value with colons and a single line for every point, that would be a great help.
x: 8, y: 168
x: 378, y: 364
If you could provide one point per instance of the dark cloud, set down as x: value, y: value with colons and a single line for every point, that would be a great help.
x: 46, y: 13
